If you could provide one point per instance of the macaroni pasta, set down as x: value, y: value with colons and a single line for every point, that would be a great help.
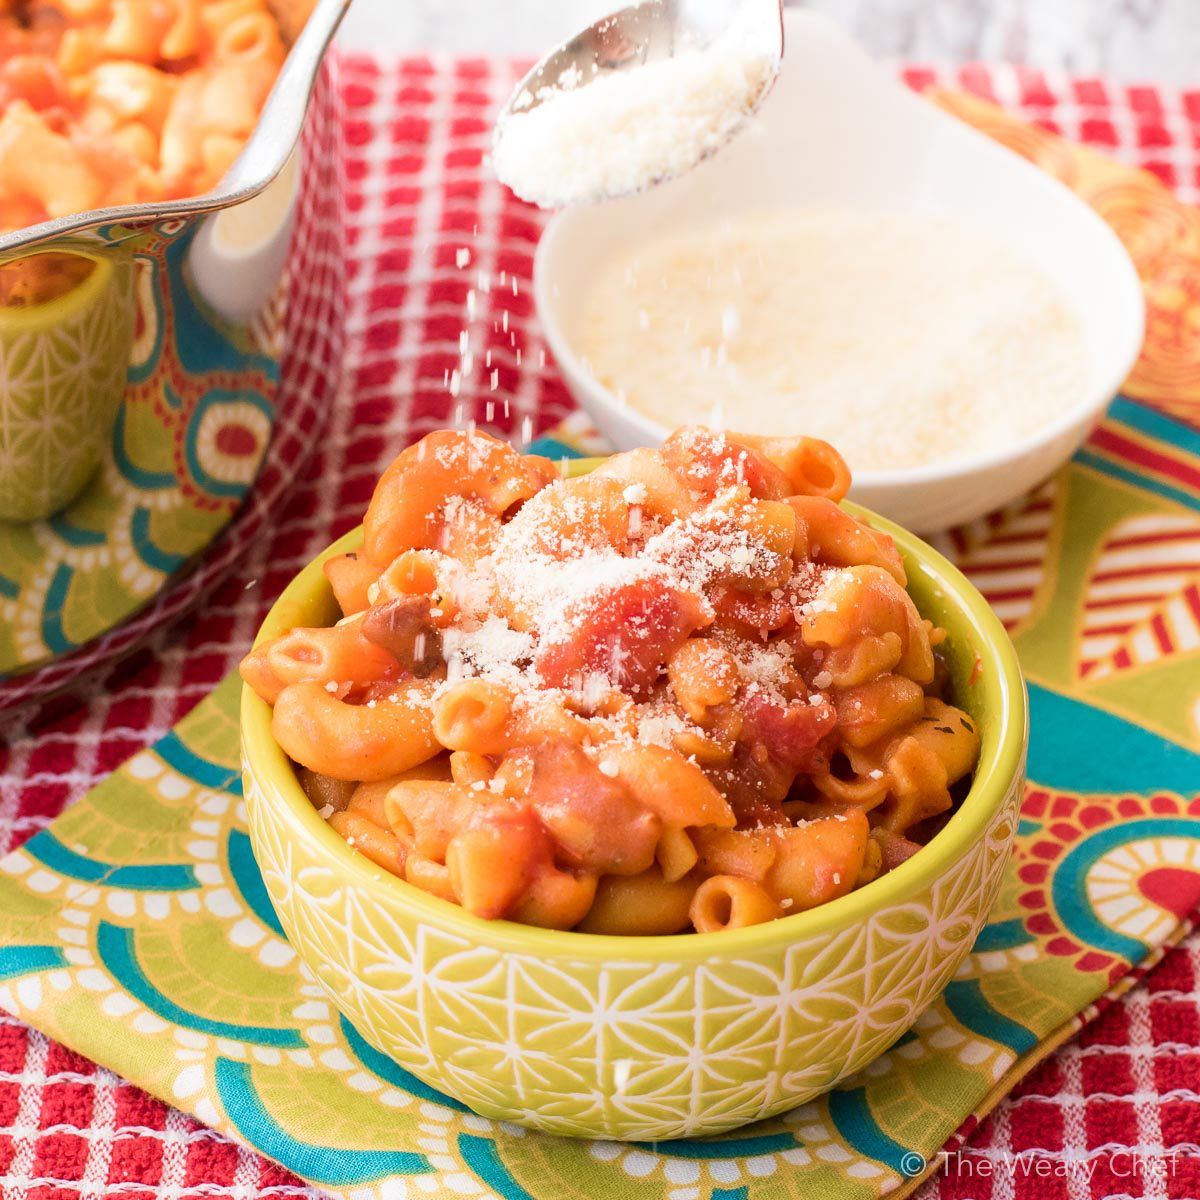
x: 687, y: 691
x: 106, y: 102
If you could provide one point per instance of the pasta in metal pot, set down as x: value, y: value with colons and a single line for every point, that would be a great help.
x: 114, y: 102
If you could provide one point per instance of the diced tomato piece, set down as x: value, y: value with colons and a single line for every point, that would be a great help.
x: 32, y: 78
x: 496, y: 857
x: 754, y: 785
x: 761, y: 614
x: 711, y: 461
x: 597, y: 825
x: 625, y: 634
x: 790, y: 733
x: 894, y: 848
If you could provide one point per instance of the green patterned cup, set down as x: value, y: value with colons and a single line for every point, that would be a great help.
x: 645, y: 1039
x: 63, y: 361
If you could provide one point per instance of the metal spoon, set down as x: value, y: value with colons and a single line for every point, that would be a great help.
x: 650, y: 32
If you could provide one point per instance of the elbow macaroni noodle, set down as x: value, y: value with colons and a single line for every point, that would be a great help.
x: 108, y: 102
x: 685, y: 692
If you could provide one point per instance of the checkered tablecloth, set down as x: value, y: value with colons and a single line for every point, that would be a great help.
x: 436, y: 248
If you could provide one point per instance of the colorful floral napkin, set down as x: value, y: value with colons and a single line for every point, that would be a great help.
x: 136, y: 929
x: 214, y: 421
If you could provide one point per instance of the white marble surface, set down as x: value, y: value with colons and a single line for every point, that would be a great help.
x: 1130, y: 39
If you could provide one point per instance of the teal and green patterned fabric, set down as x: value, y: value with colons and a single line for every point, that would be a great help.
x: 190, y: 433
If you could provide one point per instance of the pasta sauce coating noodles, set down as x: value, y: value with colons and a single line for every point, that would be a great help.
x: 109, y: 102
x: 686, y: 692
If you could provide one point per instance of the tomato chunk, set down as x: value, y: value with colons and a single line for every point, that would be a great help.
x: 744, y: 612
x: 625, y: 634
x: 32, y: 78
x: 710, y: 462
x: 790, y: 733
x: 596, y: 824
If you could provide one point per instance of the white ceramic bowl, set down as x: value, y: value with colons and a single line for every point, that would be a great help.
x: 839, y: 130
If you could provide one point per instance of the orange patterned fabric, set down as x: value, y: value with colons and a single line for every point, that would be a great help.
x: 1162, y: 236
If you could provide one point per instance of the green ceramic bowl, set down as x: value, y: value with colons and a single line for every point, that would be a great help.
x: 645, y: 1038
x: 63, y: 364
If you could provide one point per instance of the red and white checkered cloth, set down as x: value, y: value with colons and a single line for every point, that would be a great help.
x: 427, y: 228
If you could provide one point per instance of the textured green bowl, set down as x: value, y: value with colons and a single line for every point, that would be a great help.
x: 645, y: 1038
x: 63, y: 368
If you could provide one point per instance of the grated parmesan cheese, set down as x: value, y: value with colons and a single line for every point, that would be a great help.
x: 903, y: 338
x: 493, y: 651
x: 660, y: 726
x: 766, y: 668
x: 623, y: 130
x: 550, y: 567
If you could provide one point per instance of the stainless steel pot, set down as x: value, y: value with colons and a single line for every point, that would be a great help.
x: 138, y: 408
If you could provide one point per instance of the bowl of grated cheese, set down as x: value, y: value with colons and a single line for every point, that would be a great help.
x: 862, y: 267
